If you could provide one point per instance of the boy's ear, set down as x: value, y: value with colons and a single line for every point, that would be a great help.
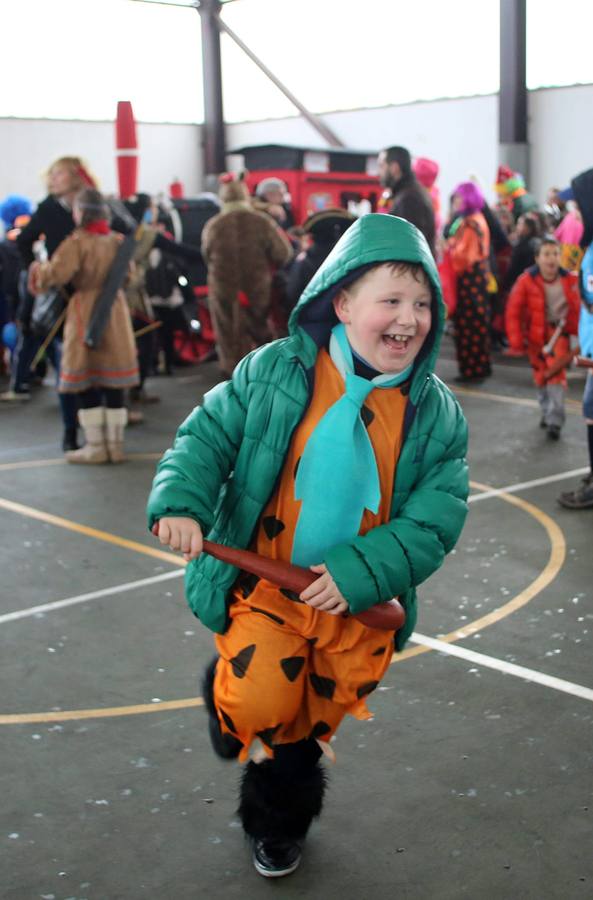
x: 342, y: 307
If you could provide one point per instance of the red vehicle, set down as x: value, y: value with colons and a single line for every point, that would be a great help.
x: 316, y: 179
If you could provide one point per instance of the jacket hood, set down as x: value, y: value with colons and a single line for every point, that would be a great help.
x: 582, y: 187
x: 373, y: 239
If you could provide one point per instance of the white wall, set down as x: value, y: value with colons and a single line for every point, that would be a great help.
x: 28, y: 146
x: 561, y: 135
x: 461, y: 134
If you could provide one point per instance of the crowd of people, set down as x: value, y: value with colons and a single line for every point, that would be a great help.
x: 509, y: 274
x: 329, y: 442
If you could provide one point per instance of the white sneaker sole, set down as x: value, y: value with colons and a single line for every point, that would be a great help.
x: 277, y: 873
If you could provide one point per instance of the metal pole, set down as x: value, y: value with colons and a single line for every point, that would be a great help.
x: 214, y: 137
x: 512, y: 119
x: 324, y: 130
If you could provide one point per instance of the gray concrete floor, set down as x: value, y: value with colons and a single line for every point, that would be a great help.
x: 469, y: 783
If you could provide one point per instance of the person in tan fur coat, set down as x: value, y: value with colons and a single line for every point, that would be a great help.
x: 97, y: 375
x: 241, y: 248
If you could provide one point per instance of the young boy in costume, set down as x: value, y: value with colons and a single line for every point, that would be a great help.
x: 543, y: 313
x: 335, y: 448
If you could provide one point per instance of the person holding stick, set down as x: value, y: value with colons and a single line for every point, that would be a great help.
x: 98, y: 370
x: 542, y: 314
x: 339, y: 450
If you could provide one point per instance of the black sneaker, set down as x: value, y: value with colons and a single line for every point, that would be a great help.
x: 554, y: 432
x: 543, y: 423
x: 582, y: 498
x: 274, y: 859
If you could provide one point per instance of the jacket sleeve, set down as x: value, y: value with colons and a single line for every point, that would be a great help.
x: 279, y: 250
x: 515, y: 314
x: 573, y: 300
x: 205, y: 242
x: 464, y: 248
x: 63, y: 265
x: 393, y: 558
x: 27, y: 237
x: 412, y: 206
x: 177, y: 249
x: 191, y: 474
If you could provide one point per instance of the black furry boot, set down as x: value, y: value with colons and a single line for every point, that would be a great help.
x: 279, y: 799
x: 224, y: 745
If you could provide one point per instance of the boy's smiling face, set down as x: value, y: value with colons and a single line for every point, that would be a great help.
x: 387, y: 315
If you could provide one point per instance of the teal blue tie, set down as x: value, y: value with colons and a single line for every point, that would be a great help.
x: 337, y: 477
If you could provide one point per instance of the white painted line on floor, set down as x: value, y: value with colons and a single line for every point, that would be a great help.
x: 523, y: 485
x: 500, y: 665
x: 93, y: 595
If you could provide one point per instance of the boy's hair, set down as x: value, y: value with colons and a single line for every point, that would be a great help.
x: 547, y: 240
x: 397, y: 267
x: 92, y: 206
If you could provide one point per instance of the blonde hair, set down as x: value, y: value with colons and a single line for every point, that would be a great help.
x: 82, y: 176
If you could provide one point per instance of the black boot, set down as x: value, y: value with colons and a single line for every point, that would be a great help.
x: 70, y: 439
x: 279, y: 799
x: 224, y: 745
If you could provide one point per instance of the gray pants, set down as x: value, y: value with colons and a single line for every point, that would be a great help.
x: 551, y: 401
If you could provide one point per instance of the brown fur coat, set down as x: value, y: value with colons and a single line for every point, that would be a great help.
x: 241, y: 248
x: 84, y: 260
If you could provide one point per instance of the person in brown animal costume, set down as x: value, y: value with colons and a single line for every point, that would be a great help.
x: 241, y: 248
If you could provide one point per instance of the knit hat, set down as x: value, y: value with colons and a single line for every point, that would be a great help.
x: 426, y: 171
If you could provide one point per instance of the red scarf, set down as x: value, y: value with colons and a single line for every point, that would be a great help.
x: 100, y: 226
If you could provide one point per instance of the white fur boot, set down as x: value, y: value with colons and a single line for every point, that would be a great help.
x: 116, y: 422
x: 94, y: 450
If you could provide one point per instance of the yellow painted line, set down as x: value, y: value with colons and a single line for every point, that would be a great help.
x: 33, y: 513
x: 553, y: 566
x: 68, y: 715
x: 61, y: 461
x: 550, y: 571
x: 31, y: 464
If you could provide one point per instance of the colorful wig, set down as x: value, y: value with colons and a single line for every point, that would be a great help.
x: 12, y: 207
x: 472, y: 198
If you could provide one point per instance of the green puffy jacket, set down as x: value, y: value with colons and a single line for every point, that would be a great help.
x: 228, y: 454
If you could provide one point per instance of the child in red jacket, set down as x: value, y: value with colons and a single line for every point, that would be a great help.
x: 541, y: 316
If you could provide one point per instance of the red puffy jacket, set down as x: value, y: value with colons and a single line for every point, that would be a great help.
x: 526, y: 309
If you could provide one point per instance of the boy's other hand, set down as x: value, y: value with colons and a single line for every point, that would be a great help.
x: 324, y: 593
x: 181, y: 533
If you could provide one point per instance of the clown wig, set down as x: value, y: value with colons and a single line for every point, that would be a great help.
x: 472, y: 199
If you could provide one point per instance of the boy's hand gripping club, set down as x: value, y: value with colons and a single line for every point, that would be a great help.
x: 389, y: 616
